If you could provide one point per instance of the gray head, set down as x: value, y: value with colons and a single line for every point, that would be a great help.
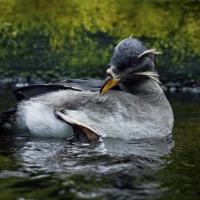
x: 131, y: 58
x: 127, y: 57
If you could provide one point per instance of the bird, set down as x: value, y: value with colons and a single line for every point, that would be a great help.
x: 129, y: 104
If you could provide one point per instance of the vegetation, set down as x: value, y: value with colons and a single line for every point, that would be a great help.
x: 52, y: 39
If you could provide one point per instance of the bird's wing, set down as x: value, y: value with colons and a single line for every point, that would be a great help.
x: 82, y: 84
x: 82, y: 131
x: 72, y: 84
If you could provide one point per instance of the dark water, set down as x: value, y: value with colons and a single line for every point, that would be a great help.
x: 167, y: 168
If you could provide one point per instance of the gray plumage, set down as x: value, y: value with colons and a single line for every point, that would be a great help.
x: 137, y: 109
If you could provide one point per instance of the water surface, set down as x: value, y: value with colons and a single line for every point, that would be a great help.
x: 162, y: 168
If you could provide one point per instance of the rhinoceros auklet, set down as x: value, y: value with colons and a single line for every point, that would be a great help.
x: 87, y: 109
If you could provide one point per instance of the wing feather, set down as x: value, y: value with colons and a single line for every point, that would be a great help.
x: 82, y: 131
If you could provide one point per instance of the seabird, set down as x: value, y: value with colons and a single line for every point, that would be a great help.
x: 130, y: 104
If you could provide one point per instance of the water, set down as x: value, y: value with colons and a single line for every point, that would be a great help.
x: 167, y: 168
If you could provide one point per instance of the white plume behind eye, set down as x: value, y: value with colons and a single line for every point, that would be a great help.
x: 154, y: 51
x: 152, y: 75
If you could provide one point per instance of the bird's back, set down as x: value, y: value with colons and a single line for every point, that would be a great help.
x: 115, y: 114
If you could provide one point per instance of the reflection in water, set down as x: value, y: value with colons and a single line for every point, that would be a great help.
x: 123, y: 168
x: 112, y: 154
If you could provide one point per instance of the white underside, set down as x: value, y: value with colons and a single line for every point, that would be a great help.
x: 41, y: 121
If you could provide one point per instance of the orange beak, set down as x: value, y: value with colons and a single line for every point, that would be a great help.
x: 110, y: 82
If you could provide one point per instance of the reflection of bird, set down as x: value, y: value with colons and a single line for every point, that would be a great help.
x: 136, y: 107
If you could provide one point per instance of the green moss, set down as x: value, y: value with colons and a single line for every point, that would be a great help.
x: 55, y: 39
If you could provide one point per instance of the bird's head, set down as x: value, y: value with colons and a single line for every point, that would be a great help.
x: 130, y: 58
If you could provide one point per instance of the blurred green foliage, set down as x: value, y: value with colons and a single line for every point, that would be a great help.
x: 52, y: 39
